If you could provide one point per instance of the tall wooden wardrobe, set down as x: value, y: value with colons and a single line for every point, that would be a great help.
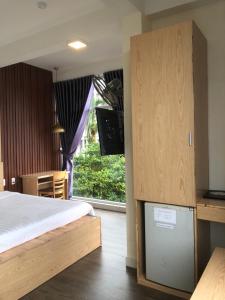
x: 170, y: 129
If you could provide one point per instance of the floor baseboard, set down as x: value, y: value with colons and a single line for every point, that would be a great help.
x: 131, y: 262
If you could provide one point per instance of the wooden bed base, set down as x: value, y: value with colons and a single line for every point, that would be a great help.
x: 27, y: 266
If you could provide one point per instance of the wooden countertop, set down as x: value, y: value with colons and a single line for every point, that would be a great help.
x: 212, y: 283
x: 212, y: 203
x: 211, y: 210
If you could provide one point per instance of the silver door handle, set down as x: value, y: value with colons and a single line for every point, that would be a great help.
x: 190, y: 139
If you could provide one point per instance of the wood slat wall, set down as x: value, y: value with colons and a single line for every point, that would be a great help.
x: 26, y: 112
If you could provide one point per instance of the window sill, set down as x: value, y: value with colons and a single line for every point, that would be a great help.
x: 104, y: 204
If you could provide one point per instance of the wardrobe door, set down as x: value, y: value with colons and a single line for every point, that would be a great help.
x: 163, y: 115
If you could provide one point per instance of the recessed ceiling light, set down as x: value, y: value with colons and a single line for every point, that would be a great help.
x: 41, y: 4
x: 77, y: 45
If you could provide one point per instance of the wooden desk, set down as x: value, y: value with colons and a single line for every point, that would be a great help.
x: 211, y: 210
x: 32, y: 183
x: 212, y: 283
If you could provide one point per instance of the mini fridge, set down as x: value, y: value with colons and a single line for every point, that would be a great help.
x: 169, y: 245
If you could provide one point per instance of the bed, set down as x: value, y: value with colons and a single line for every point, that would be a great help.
x: 40, y: 237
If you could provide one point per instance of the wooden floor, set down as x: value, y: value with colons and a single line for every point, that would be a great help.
x: 102, y: 275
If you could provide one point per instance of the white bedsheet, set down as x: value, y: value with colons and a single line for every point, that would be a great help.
x: 25, y: 217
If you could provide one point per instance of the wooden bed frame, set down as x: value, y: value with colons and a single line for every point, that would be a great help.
x: 27, y: 266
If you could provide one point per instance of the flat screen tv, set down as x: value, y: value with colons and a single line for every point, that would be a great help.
x: 110, y: 130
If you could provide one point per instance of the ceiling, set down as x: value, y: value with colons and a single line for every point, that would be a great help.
x: 22, y: 18
x: 156, y: 6
x: 40, y: 36
x: 97, y: 51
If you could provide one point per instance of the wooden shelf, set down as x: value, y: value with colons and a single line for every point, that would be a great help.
x: 211, y: 210
x: 212, y: 283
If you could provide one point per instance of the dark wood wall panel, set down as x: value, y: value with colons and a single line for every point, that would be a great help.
x: 26, y: 112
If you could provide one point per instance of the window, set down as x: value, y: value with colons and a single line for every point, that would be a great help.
x: 96, y: 176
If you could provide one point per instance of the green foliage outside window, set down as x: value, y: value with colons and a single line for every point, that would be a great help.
x: 97, y: 176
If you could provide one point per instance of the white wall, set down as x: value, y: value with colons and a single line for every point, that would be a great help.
x: 211, y: 20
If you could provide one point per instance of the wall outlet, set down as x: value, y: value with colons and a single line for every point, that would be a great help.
x: 3, y: 181
x: 13, y: 180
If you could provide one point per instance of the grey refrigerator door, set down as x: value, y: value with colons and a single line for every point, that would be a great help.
x: 169, y: 245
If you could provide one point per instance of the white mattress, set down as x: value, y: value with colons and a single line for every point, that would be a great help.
x: 25, y: 217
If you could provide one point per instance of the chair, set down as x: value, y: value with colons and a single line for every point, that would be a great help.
x: 57, y: 190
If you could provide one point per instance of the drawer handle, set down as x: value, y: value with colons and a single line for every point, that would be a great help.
x: 190, y: 139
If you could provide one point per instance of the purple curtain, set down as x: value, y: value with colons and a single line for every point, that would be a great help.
x: 73, y: 101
